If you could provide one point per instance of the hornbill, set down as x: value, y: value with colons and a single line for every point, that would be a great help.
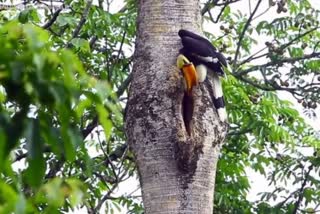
x: 206, y: 58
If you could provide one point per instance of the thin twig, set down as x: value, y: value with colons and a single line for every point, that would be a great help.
x: 124, y: 85
x: 252, y: 57
x: 121, y: 44
x: 274, y: 63
x: 227, y: 2
x: 107, y: 195
x: 219, y: 15
x: 261, y: 14
x: 85, y: 132
x: 298, y: 37
x: 93, y: 41
x: 19, y: 157
x: 208, y: 6
x: 269, y: 87
x: 303, y: 185
x: 240, y: 132
x: 54, y: 17
x: 243, y: 33
x: 82, y: 20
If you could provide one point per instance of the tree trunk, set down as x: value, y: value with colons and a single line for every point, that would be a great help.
x: 177, y: 170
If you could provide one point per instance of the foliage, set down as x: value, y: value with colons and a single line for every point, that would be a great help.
x: 64, y: 72
x: 267, y: 134
x: 56, y: 86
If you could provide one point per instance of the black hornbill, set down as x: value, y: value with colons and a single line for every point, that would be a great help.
x: 199, y: 51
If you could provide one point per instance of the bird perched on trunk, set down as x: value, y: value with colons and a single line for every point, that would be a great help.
x: 199, y: 51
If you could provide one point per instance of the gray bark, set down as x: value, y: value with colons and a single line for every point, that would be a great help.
x: 177, y: 171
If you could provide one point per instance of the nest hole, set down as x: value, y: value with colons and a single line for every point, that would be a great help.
x: 187, y: 111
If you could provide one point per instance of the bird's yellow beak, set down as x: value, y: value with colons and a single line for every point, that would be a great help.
x: 189, y: 72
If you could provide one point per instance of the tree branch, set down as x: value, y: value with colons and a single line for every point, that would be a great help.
x: 82, y: 20
x: 54, y: 17
x: 107, y: 195
x: 274, y: 63
x: 85, y: 132
x: 219, y: 15
x: 21, y: 156
x: 243, y: 33
x: 208, y: 6
x: 303, y: 185
x: 124, y: 85
x: 121, y: 44
x: 240, y: 131
x: 269, y: 86
x: 298, y: 37
x: 253, y: 56
x: 93, y: 41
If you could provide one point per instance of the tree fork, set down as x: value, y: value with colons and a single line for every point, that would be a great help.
x: 154, y: 118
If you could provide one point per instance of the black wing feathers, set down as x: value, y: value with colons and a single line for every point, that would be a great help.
x: 195, y: 44
x: 185, y: 33
x: 221, y: 59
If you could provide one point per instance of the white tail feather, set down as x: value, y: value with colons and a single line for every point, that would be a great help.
x: 217, y: 88
x: 222, y: 114
x: 218, y: 93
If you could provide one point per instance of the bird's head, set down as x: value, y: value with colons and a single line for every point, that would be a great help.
x: 182, y: 61
x: 189, y: 72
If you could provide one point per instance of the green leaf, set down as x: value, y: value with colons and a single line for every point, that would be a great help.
x: 296, y: 52
x: 104, y: 120
x: 52, y: 193
x: 39, y: 61
x: 3, y: 140
x: 226, y: 12
x: 262, y: 25
x: 29, y: 14
x: 36, y: 37
x: 36, y: 169
x: 64, y: 20
x: 8, y: 198
x: 77, y: 192
x: 82, y: 44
